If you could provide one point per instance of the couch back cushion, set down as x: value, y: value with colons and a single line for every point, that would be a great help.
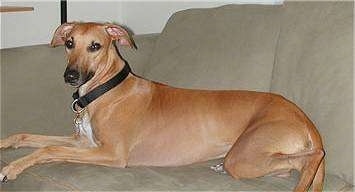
x: 138, y: 58
x: 314, y: 69
x: 230, y: 47
x: 34, y: 97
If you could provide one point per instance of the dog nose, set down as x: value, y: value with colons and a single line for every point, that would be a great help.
x: 71, y: 76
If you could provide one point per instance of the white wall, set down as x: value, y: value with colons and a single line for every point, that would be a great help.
x: 37, y: 27
x: 30, y: 27
x: 95, y: 11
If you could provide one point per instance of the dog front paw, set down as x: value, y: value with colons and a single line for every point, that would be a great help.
x: 3, y: 178
x: 12, y: 141
x: 4, y: 143
x: 9, y: 172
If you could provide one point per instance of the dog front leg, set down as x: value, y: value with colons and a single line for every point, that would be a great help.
x: 39, y: 141
x: 97, y: 156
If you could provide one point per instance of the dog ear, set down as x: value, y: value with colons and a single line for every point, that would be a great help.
x: 60, y: 34
x: 119, y: 34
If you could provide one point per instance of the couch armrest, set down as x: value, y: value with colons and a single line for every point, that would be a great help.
x: 139, y: 57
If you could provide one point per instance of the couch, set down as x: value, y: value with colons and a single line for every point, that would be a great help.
x: 301, y: 50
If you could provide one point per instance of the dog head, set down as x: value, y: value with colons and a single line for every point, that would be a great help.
x: 88, y: 46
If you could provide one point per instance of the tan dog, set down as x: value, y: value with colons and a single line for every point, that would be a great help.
x: 140, y: 122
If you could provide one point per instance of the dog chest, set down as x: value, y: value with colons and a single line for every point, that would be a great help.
x: 85, y: 129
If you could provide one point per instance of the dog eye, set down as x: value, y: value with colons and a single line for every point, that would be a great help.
x: 94, y: 47
x: 69, y: 44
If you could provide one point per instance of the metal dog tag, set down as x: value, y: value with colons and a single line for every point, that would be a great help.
x: 78, y: 123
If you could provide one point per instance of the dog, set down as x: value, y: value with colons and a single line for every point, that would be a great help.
x: 126, y: 120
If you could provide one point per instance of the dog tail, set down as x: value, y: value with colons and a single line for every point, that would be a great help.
x: 312, y: 172
x: 319, y: 177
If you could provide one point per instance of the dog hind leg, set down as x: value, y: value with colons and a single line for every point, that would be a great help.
x: 310, y: 164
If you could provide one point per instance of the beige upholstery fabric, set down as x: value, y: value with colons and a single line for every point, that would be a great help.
x: 138, y: 58
x: 230, y: 47
x: 33, y: 92
x: 314, y: 69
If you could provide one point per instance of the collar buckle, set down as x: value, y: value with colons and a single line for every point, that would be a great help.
x: 75, y: 107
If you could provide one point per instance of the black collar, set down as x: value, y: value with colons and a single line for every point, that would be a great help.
x: 85, y: 100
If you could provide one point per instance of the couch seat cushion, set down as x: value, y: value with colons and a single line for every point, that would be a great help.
x: 79, y: 177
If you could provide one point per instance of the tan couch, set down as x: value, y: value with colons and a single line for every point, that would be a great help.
x: 303, y: 51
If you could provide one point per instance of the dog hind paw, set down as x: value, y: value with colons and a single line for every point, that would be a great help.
x: 218, y: 168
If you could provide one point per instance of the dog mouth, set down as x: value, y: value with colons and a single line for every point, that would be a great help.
x: 88, y: 77
x: 74, y: 84
x: 81, y: 80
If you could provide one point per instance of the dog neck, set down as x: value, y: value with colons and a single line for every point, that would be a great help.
x: 108, y: 67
